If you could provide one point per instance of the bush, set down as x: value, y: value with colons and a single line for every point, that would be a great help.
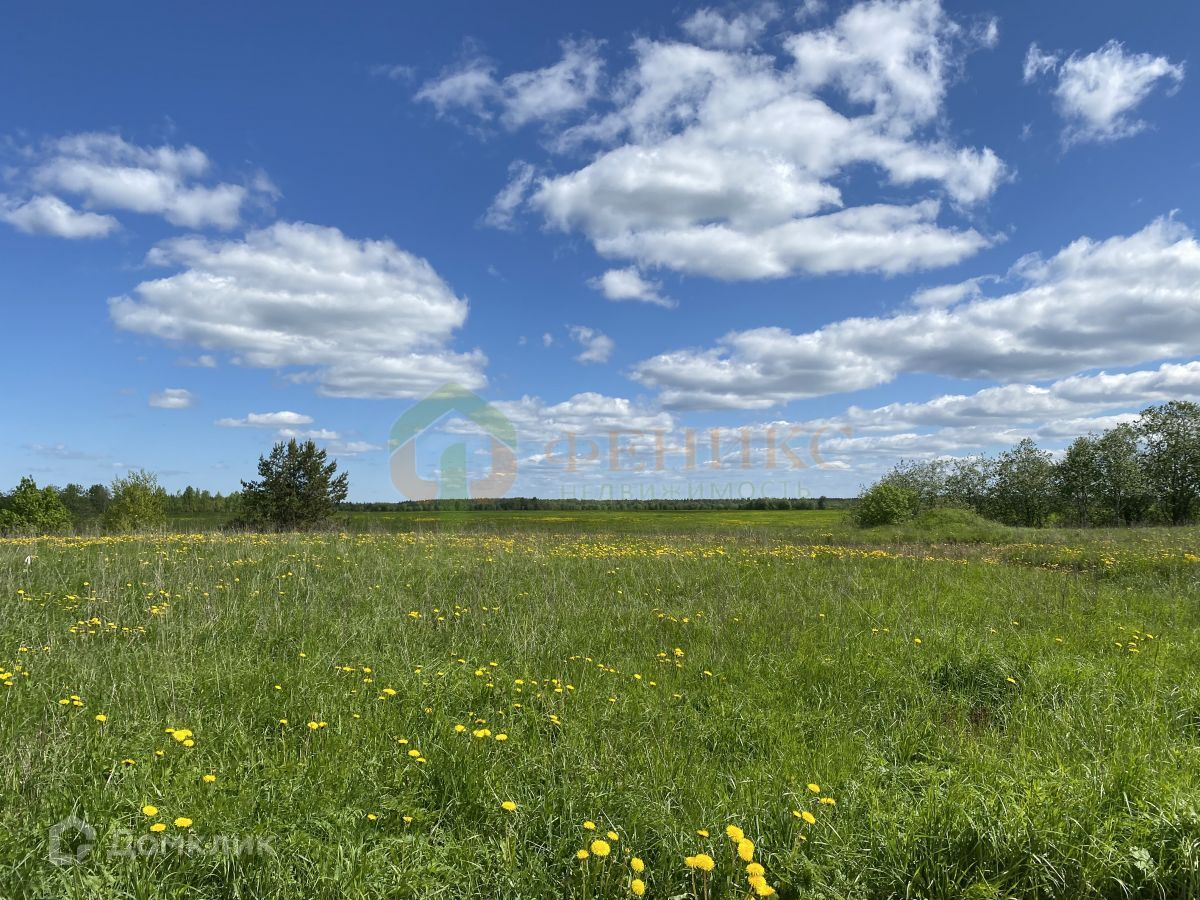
x: 137, y: 503
x: 884, y: 504
x: 33, y: 510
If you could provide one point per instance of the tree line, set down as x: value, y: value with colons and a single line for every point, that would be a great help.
x: 1142, y: 472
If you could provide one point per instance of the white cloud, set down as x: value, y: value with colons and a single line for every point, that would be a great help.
x: 522, y: 97
x: 308, y: 434
x: 108, y: 172
x: 731, y: 164
x: 352, y: 448
x: 710, y: 28
x: 46, y: 214
x: 279, y: 419
x: 1115, y: 302
x: 359, y: 318
x: 203, y: 361
x: 1097, y: 93
x: 547, y: 339
x: 172, y: 398
x: 628, y: 284
x: 597, y: 347
x: 504, y: 207
x: 588, y: 413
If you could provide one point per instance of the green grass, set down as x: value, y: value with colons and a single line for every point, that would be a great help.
x: 798, y: 662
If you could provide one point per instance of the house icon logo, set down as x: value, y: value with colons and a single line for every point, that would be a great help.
x: 420, y: 424
x: 62, y: 838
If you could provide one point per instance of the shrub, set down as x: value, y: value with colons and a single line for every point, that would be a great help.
x: 884, y: 504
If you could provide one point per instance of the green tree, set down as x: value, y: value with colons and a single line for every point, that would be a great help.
x: 33, y: 510
x: 1022, y: 491
x: 1077, y: 479
x: 297, y: 488
x: 138, y: 503
x: 1170, y: 454
x: 1122, y: 493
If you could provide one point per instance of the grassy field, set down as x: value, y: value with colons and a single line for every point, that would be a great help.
x: 440, y: 708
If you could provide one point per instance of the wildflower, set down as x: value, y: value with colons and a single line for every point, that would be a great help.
x: 734, y: 833
x: 459, y: 729
x: 158, y: 827
x: 827, y: 801
x: 745, y: 849
x: 414, y: 753
x: 509, y: 806
x: 183, y: 822
x: 371, y: 817
x: 209, y: 778
x: 601, y: 849
x: 637, y: 865
x: 703, y: 832
x: 406, y: 819
x: 101, y: 718
x: 808, y: 817
x: 755, y: 870
x: 701, y: 861
x: 502, y: 737
x: 815, y: 788
x: 581, y: 854
x: 760, y: 886
x: 589, y: 825
x: 637, y: 887
x: 283, y: 721
x: 149, y: 810
x: 613, y: 836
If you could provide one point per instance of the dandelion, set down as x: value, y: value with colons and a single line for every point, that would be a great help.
x: 601, y: 849
x: 502, y: 737
x: 815, y: 788
x: 509, y: 806
x: 581, y: 854
x: 734, y: 833
x: 637, y: 887
x: 183, y: 822
x: 209, y: 778
x: 589, y: 825
x: 808, y: 817
x: 827, y: 801
x: 158, y: 827
x: 637, y: 865
x: 149, y: 810
x: 745, y: 849
x: 760, y: 886
x: 755, y: 870
x: 703, y: 832
x: 701, y: 861
x: 371, y: 817
x: 101, y: 718
x: 613, y: 836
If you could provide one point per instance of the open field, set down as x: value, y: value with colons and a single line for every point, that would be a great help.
x: 883, y: 714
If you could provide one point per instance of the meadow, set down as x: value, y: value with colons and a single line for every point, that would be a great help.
x: 549, y: 705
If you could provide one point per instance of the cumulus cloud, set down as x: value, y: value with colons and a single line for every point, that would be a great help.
x: 628, y: 284
x: 522, y: 97
x: 47, y: 214
x: 360, y: 318
x: 172, y: 398
x: 107, y: 172
x: 283, y: 418
x: 1120, y: 301
x: 1097, y: 93
x: 597, y: 346
x: 731, y: 163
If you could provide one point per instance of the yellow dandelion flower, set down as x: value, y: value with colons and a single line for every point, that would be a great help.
x: 815, y: 788
x: 601, y: 849
x: 637, y: 865
x: 701, y: 861
x: 509, y: 806
x: 755, y: 870
x: 158, y: 826
x: 613, y: 836
x: 183, y: 822
x: 703, y: 832
x: 101, y: 718
x: 808, y: 817
x: 209, y: 779
x: 149, y: 810
x: 581, y: 854
x: 734, y: 833
x: 745, y: 849
x: 589, y: 825
x: 637, y: 887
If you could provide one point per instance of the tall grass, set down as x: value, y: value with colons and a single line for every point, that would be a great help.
x: 989, y: 726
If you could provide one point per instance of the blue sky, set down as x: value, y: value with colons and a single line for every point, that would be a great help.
x: 909, y: 229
